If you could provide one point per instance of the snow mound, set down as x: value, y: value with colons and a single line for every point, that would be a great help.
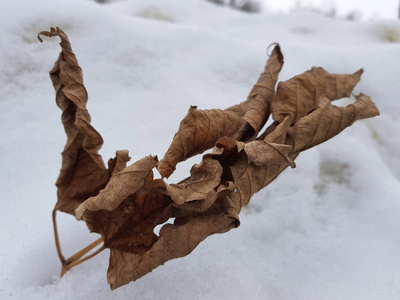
x: 325, y: 230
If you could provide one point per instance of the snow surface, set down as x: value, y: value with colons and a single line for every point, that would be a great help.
x: 328, y: 229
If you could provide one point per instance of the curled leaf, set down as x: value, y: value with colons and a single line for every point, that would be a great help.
x: 328, y: 120
x: 175, y: 241
x: 125, y: 204
x: 121, y: 185
x: 256, y: 109
x: 249, y: 167
x: 200, y: 129
x: 262, y: 153
x: 205, y: 177
x: 296, y: 97
x: 130, y: 226
x: 118, y: 163
x: 83, y: 172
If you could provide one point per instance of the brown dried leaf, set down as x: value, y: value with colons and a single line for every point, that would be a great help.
x: 121, y: 185
x: 205, y: 177
x: 129, y: 227
x: 262, y: 152
x: 256, y: 109
x: 328, y: 120
x: 175, y: 241
x: 296, y: 97
x: 200, y: 129
x: 83, y: 172
x: 320, y: 125
x: 118, y: 163
x: 249, y: 167
x: 210, y: 200
x: 132, y: 203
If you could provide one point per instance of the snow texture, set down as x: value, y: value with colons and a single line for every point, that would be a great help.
x: 328, y: 229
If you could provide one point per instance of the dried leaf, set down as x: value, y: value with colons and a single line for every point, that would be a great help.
x: 296, y: 97
x: 118, y: 163
x: 205, y: 177
x: 200, y: 129
x: 130, y: 226
x: 175, y: 241
x: 83, y: 172
x: 262, y: 152
x: 126, y: 208
x: 121, y: 185
x: 249, y: 167
x: 256, y: 109
x: 328, y: 120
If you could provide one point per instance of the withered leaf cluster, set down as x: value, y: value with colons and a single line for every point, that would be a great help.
x: 125, y: 203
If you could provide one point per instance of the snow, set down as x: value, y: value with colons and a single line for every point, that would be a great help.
x: 328, y: 229
x: 367, y: 9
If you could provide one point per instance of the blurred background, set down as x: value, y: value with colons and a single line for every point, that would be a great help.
x: 363, y: 10
x: 346, y: 9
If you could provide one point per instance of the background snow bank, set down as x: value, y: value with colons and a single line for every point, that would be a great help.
x: 328, y: 229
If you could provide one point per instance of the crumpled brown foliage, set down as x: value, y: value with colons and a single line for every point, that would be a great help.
x: 83, y: 173
x: 125, y: 204
x: 201, y: 129
x: 299, y: 95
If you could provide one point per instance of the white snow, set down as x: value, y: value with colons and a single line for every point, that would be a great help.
x: 366, y: 9
x: 329, y: 229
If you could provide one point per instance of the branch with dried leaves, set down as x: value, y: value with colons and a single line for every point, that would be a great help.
x: 125, y: 203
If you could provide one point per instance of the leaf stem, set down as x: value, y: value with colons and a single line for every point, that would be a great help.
x: 75, y: 259
x: 56, y: 238
x: 82, y: 252
x: 78, y: 262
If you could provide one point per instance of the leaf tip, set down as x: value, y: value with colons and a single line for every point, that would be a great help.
x: 276, y: 52
x: 50, y: 33
x: 370, y: 109
x: 79, y: 212
x: 277, y: 48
